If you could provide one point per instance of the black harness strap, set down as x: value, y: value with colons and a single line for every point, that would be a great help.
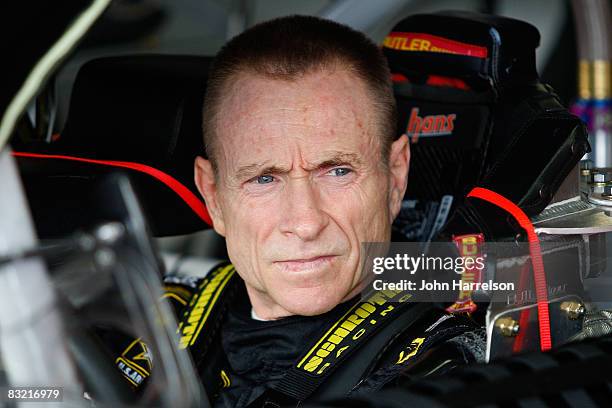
x: 367, y: 327
x: 343, y: 353
x: 353, y: 370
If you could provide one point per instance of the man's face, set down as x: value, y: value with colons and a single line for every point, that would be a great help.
x: 301, y: 185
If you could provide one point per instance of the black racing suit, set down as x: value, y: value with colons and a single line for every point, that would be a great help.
x: 257, y: 354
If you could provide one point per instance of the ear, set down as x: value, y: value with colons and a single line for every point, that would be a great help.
x: 399, y: 161
x: 207, y: 186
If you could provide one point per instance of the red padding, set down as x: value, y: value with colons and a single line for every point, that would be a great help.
x: 435, y: 80
x: 183, y: 192
x: 536, y: 258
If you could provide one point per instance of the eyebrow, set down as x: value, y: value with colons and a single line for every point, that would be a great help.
x: 251, y: 170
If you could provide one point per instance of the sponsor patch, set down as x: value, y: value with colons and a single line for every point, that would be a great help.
x: 429, y: 125
x: 135, y: 362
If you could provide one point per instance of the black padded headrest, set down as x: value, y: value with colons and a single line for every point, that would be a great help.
x: 464, y: 45
x: 145, y: 110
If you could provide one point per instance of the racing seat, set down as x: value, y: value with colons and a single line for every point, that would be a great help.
x: 476, y: 114
x: 140, y: 114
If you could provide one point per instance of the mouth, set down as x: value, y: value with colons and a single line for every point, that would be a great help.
x: 314, y: 263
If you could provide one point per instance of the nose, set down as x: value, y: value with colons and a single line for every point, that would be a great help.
x: 302, y: 215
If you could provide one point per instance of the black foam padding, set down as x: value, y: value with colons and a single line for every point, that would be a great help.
x: 145, y: 109
x: 60, y: 196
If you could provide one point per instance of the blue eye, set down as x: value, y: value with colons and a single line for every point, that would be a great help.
x: 340, y: 171
x: 264, y: 179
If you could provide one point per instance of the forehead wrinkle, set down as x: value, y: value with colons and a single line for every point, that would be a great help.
x: 250, y: 110
x: 333, y: 158
x: 250, y: 170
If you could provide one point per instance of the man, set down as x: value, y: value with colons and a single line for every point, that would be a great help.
x: 302, y: 168
x: 299, y: 127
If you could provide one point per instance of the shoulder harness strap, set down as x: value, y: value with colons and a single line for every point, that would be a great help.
x: 345, y: 351
x: 367, y: 327
x: 201, y: 320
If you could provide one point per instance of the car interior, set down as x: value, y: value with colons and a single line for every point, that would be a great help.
x: 112, y: 208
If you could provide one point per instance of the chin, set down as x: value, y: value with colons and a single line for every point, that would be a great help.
x: 310, y: 302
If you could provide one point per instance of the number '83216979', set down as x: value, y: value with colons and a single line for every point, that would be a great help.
x: 33, y: 393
